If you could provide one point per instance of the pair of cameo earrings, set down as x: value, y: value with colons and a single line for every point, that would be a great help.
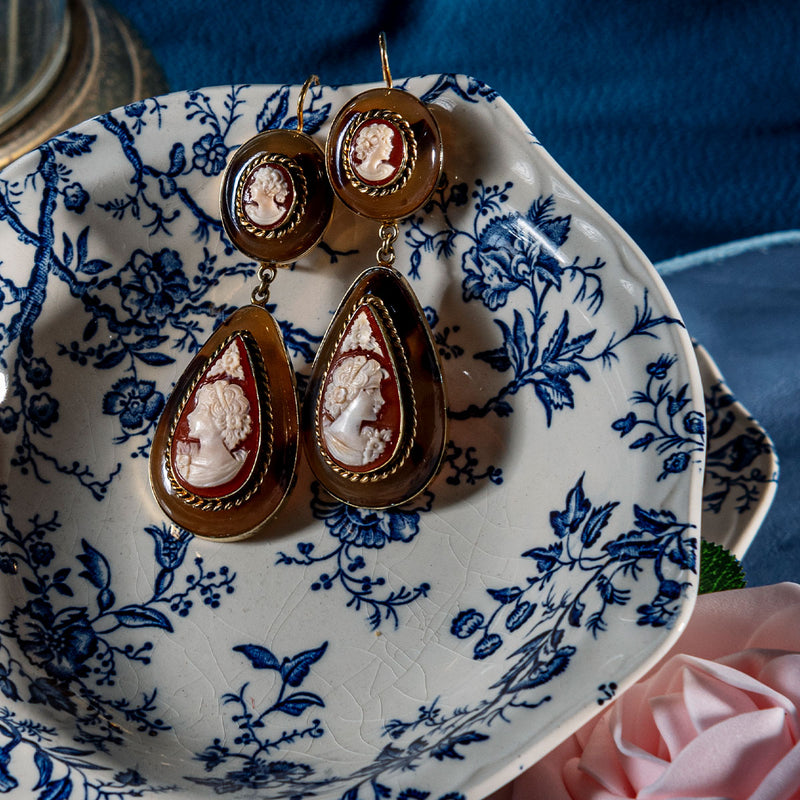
x: 373, y: 422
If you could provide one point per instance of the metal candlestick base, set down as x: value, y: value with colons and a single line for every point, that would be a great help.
x: 107, y: 66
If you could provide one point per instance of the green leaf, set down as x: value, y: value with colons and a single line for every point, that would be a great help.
x: 720, y: 570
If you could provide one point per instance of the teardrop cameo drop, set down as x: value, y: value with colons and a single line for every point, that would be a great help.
x: 224, y: 452
x: 374, y: 421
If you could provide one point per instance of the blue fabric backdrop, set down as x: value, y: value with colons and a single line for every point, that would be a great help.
x: 682, y: 119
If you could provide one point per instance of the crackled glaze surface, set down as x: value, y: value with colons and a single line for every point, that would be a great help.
x: 435, y: 648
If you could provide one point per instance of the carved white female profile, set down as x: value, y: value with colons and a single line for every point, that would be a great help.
x: 266, y: 195
x: 373, y: 148
x: 219, y: 421
x: 352, y: 398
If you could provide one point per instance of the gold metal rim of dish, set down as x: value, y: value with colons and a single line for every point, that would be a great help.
x: 107, y: 66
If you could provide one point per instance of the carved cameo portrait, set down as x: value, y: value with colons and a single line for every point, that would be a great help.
x: 377, y: 152
x: 216, y: 437
x: 268, y: 196
x: 359, y: 420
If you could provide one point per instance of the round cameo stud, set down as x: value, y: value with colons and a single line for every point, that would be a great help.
x: 384, y: 154
x: 275, y: 199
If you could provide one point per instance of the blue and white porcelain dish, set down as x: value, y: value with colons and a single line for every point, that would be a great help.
x: 741, y: 475
x: 429, y: 651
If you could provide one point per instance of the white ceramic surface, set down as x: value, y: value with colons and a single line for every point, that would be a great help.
x: 344, y: 653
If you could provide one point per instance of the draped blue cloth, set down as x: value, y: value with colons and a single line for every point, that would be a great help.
x: 682, y: 119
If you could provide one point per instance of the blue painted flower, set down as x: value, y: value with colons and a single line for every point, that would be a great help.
x: 134, y: 402
x: 498, y: 264
x: 366, y: 528
x: 76, y: 198
x: 677, y: 462
x: 210, y: 154
x: 8, y: 419
x: 171, y: 544
x: 658, y: 369
x: 43, y: 410
x: 135, y: 110
x: 8, y: 564
x: 153, y: 285
x: 130, y: 777
x: 42, y: 553
x: 61, y: 643
x: 38, y: 372
x: 693, y: 422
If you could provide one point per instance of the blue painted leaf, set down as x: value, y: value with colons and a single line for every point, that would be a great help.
x: 611, y: 594
x: 631, y: 545
x: 73, y: 144
x: 556, y: 229
x: 260, y: 657
x: 520, y: 615
x: 643, y: 442
x: 57, y: 790
x: 295, y: 670
x: 135, y: 616
x: 508, y: 595
x: 569, y: 520
x: 313, y: 119
x: 164, y: 580
x: 44, y: 764
x: 683, y: 554
x: 68, y: 250
x: 625, y: 424
x: 274, y: 111
x: 576, y: 613
x: 596, y: 522
x: 113, y: 359
x: 546, y: 558
x: 94, y: 266
x: 448, y: 748
x: 154, y: 359
x: 549, y: 669
x: 90, y: 330
x: 487, y: 646
x: 656, y: 522
x: 96, y: 568
x: 295, y: 704
x: 177, y: 159
x: 63, y: 589
x: 554, y: 393
x: 31, y: 586
x: 105, y: 599
x: 497, y: 359
x: 556, y: 343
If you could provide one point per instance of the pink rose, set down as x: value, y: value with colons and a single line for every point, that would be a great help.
x: 717, y: 717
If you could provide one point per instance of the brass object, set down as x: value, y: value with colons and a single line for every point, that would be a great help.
x: 107, y: 66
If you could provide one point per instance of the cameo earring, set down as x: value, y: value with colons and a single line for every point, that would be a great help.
x: 224, y: 454
x: 374, y: 416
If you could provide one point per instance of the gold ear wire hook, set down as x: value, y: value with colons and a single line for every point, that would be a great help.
x: 387, y: 75
x: 312, y: 81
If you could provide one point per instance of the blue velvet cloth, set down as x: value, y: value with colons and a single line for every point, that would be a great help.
x: 680, y: 118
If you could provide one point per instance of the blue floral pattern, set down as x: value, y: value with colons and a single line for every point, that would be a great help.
x: 108, y: 287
